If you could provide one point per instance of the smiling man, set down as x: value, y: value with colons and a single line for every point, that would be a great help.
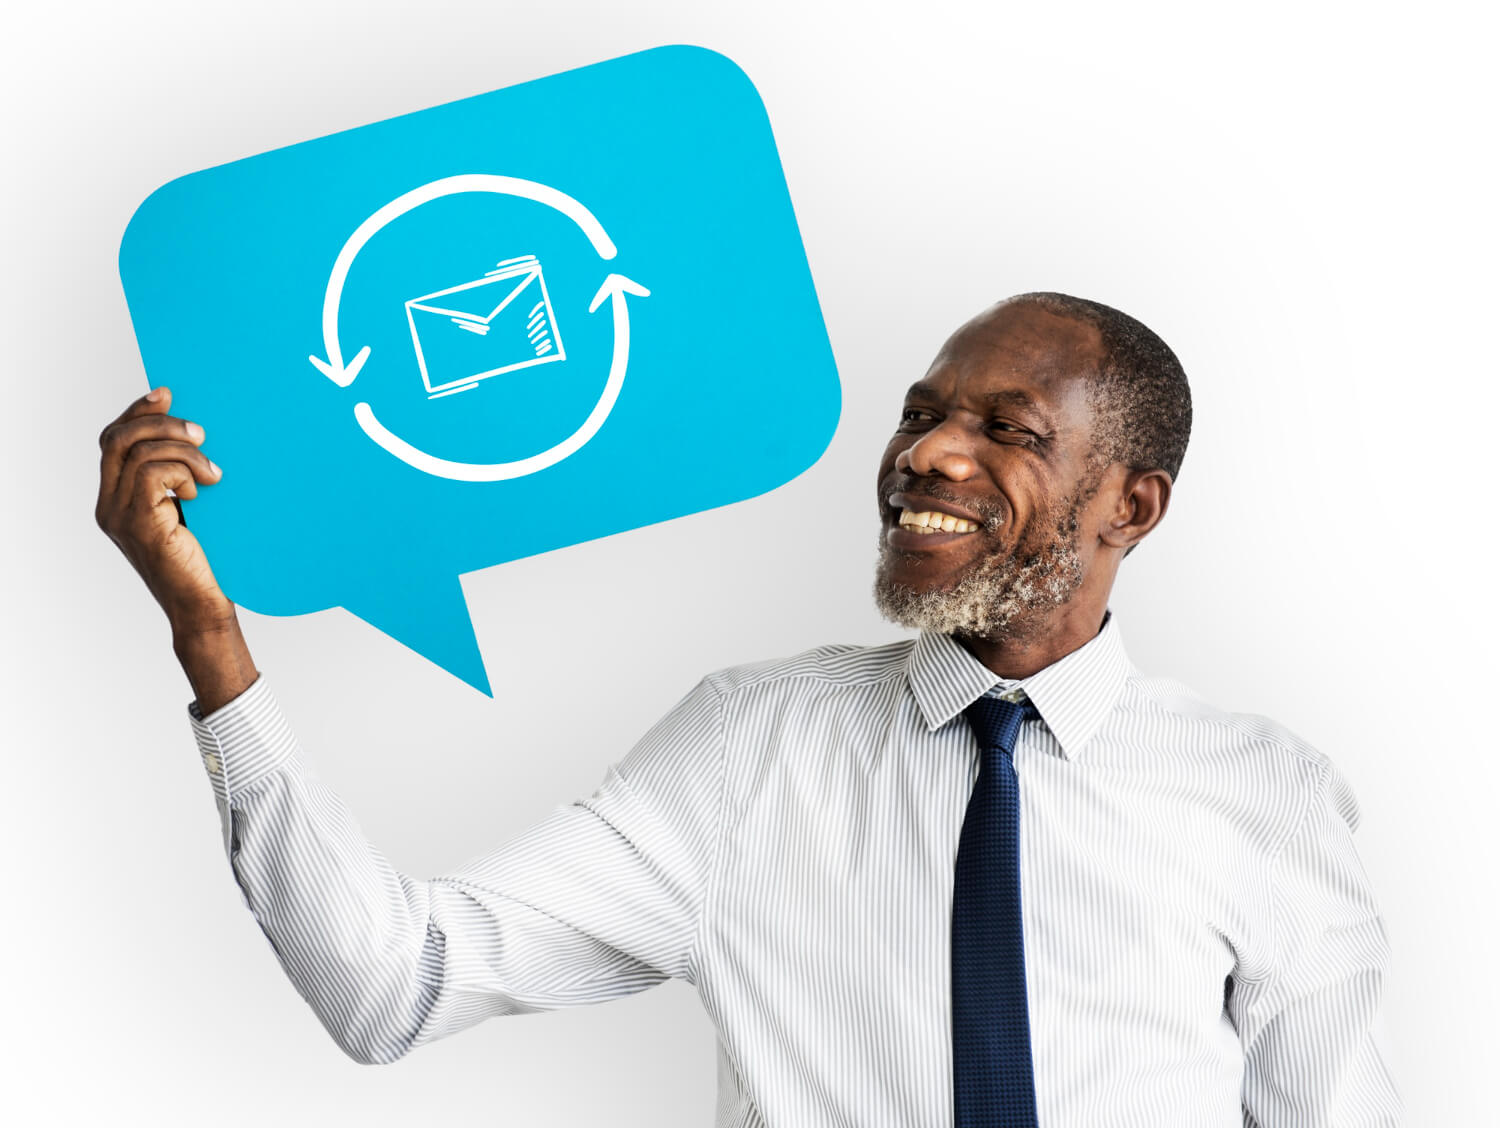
x: 988, y: 876
x: 1007, y: 442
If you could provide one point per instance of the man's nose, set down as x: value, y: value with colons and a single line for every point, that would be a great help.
x: 946, y: 450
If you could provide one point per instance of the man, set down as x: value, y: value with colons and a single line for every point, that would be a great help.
x: 990, y: 876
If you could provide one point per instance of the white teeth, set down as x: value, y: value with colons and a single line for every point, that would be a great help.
x: 931, y: 521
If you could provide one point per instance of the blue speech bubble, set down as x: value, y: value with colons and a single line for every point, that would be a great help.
x: 482, y: 331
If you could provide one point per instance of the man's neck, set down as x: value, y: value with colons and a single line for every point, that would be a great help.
x: 1027, y: 651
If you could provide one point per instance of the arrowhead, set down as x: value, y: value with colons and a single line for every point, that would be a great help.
x: 617, y: 284
x: 342, y: 374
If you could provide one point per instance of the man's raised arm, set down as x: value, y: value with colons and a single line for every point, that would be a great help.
x: 599, y: 900
x: 147, y: 457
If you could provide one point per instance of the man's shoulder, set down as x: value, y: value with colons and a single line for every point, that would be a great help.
x: 834, y: 665
x: 1251, y: 753
x: 1174, y: 700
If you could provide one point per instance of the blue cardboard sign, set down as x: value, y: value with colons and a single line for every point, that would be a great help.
x: 482, y: 331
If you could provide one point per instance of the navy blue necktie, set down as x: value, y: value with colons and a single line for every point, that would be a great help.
x: 992, y: 1080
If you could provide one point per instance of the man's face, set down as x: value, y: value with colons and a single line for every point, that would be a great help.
x: 993, y: 451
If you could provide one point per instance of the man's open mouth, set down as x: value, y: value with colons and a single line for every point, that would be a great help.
x: 914, y: 515
x: 933, y: 521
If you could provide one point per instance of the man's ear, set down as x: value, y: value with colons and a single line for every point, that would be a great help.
x: 1141, y: 503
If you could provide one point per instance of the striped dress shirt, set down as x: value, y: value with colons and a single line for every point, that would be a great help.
x: 1202, y: 946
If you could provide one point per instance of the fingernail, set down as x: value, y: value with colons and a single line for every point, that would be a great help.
x: 195, y: 432
x: 216, y: 471
x: 153, y: 396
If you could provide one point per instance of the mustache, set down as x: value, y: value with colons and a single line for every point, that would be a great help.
x: 991, y: 512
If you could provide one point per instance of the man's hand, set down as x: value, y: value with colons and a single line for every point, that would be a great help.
x: 147, y: 457
x: 146, y: 453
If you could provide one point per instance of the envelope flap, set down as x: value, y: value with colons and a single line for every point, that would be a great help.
x: 483, y: 298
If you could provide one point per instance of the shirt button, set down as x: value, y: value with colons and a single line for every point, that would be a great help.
x: 212, y: 763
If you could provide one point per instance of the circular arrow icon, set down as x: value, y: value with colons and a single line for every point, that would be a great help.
x: 614, y: 288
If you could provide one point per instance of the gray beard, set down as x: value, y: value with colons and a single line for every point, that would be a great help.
x: 1005, y: 596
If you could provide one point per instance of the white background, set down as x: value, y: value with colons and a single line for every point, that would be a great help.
x: 1300, y: 199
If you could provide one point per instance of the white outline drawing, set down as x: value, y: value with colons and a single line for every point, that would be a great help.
x: 615, y: 287
x: 542, y: 335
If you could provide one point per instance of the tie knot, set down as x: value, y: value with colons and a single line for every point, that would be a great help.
x: 996, y: 722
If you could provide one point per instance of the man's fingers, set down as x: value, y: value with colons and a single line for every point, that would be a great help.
x: 159, y: 481
x: 145, y: 418
x: 150, y: 452
x: 118, y: 442
x: 155, y: 402
x: 152, y: 468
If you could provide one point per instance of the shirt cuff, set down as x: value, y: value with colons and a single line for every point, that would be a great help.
x: 242, y: 742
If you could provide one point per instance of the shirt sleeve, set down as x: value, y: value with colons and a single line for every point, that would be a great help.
x: 599, y: 900
x: 1311, y: 1058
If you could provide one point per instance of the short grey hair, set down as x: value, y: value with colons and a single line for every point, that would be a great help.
x: 1143, y: 410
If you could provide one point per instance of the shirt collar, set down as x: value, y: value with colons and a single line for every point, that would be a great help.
x: 1073, y: 695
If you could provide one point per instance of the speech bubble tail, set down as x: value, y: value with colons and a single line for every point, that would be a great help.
x: 429, y: 615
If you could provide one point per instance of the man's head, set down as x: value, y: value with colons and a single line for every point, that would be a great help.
x: 1045, y: 438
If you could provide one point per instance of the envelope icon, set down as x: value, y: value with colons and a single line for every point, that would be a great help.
x: 496, y: 324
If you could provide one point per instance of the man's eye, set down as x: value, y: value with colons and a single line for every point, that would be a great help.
x: 1006, y: 432
x: 915, y: 415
